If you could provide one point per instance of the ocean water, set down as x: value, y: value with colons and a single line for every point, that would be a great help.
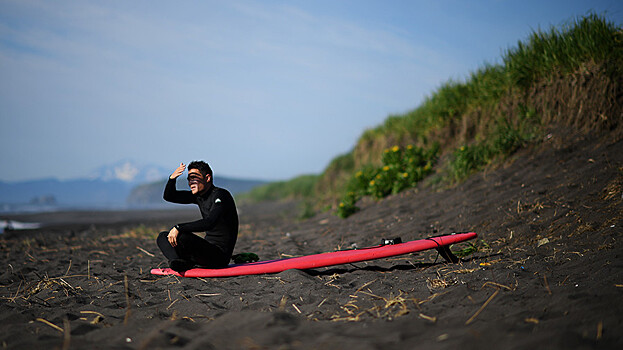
x: 17, y: 209
x: 17, y: 225
x: 27, y: 208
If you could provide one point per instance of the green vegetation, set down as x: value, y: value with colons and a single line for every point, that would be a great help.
x: 301, y: 187
x: 471, y: 248
x: 505, y: 139
x: 569, y: 76
x: 589, y: 40
x: 402, y: 168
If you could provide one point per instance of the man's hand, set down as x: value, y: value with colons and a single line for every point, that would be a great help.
x: 173, y: 236
x: 179, y: 171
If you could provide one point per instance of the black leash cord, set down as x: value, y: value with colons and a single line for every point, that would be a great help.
x: 438, y: 247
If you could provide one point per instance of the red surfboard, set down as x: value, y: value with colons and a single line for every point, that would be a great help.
x: 326, y: 259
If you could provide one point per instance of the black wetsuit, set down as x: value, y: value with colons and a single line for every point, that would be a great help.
x: 219, y: 221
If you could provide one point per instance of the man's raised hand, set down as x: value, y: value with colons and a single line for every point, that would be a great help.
x: 179, y: 171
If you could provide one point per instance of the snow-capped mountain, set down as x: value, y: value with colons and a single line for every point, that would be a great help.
x: 130, y: 171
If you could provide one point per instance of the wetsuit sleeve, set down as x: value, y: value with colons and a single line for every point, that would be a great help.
x: 171, y: 194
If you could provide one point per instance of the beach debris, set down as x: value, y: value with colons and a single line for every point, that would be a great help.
x: 531, y: 320
x: 282, y: 303
x: 394, y: 305
x: 549, y: 291
x: 437, y: 283
x: 443, y: 337
x: 127, y: 300
x: 471, y: 319
x: 144, y: 251
x: 98, y: 316
x: 66, y: 334
x: 334, y: 277
x: 50, y: 324
x: 322, y: 302
x: 428, y: 318
x: 279, y: 279
x: 497, y: 287
x: 174, y: 301
x: 68, y: 268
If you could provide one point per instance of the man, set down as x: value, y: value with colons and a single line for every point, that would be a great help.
x: 219, y: 220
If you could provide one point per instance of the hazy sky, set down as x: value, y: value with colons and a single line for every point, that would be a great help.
x: 259, y: 89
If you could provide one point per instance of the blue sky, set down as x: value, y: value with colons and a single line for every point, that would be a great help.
x: 259, y: 89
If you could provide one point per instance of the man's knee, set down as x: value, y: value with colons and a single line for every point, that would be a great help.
x: 186, y: 239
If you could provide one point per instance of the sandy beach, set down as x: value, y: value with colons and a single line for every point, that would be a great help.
x: 547, y: 270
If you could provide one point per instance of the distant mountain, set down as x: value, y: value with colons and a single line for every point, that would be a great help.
x: 117, y: 185
x: 151, y: 193
x: 106, y: 187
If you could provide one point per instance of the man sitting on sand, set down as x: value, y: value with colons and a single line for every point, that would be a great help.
x: 219, y: 220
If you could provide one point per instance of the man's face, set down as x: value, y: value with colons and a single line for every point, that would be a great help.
x: 197, y: 182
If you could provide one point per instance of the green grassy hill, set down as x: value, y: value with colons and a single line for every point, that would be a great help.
x: 570, y: 76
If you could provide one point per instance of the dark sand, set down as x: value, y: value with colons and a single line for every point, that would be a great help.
x: 549, y: 273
